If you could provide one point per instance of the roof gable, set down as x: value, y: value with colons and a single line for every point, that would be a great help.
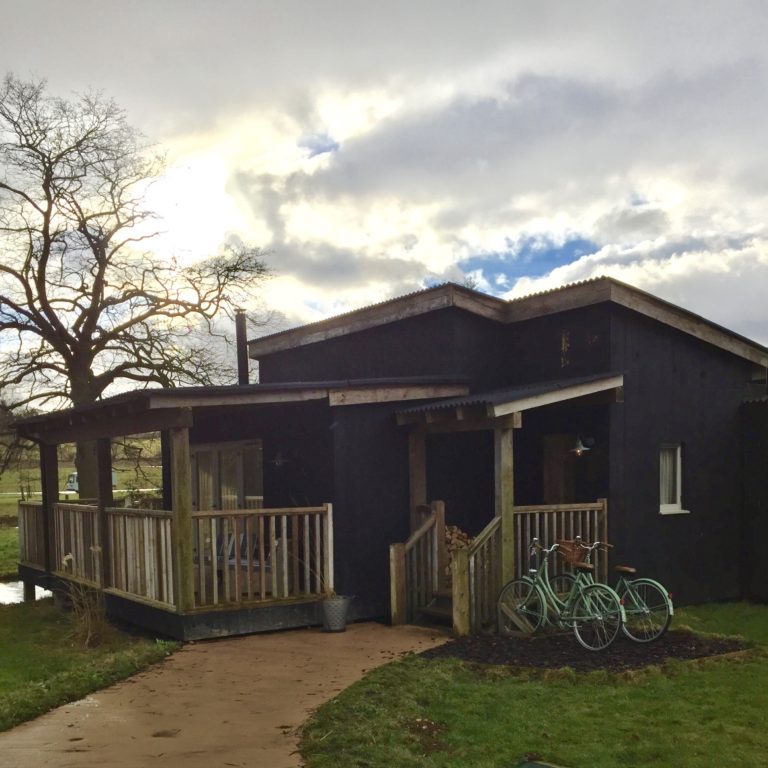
x: 568, y: 297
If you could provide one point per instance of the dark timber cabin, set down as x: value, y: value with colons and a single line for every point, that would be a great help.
x: 371, y: 431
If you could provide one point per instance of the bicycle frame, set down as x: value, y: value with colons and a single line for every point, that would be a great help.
x: 562, y: 610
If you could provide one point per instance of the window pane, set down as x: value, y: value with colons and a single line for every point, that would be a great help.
x: 668, y: 479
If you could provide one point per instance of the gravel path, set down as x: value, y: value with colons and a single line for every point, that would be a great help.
x: 229, y: 702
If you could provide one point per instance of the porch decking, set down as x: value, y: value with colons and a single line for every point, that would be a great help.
x: 240, y: 560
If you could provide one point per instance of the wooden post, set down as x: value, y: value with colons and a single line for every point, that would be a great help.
x: 438, y: 509
x: 49, y: 476
x: 504, y: 480
x: 460, y: 576
x: 105, y: 499
x: 417, y: 471
x: 181, y: 499
x: 29, y: 591
x: 602, y: 526
x: 397, y: 594
x: 165, y: 461
x: 328, y: 551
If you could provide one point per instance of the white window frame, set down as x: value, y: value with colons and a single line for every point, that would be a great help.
x: 676, y: 507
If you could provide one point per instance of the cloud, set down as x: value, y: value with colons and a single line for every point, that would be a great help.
x: 376, y: 150
x: 722, y: 279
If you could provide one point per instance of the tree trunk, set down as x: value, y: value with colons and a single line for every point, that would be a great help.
x: 87, y: 469
x: 86, y: 461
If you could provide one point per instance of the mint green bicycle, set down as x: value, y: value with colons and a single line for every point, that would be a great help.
x: 647, y: 604
x: 592, y: 610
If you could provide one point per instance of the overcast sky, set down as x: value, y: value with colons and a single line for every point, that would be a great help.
x: 376, y: 148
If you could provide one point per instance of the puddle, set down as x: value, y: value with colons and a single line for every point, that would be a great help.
x: 13, y: 592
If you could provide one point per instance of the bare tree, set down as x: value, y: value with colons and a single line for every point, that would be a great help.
x: 83, y: 304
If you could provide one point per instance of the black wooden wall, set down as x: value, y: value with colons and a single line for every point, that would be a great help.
x: 370, y: 458
x: 755, y: 539
x: 677, y: 389
x: 446, y: 342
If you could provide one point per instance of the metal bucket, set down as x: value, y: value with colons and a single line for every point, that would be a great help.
x: 335, y: 613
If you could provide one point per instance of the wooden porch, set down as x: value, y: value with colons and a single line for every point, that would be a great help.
x: 237, y: 560
x: 419, y: 571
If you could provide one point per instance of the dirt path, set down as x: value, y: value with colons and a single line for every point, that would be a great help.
x: 233, y: 702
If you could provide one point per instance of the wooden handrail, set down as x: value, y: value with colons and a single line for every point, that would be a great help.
x: 420, y: 532
x: 260, y: 512
x: 138, y: 512
x: 581, y: 507
x: 483, y: 536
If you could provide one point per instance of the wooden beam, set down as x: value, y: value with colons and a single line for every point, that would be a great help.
x: 687, y: 322
x: 236, y: 398
x: 181, y: 496
x: 466, y: 424
x: 94, y: 425
x: 362, y: 395
x: 105, y: 499
x: 504, y: 498
x: 559, y: 395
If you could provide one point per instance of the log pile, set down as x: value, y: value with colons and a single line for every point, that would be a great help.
x: 455, y: 539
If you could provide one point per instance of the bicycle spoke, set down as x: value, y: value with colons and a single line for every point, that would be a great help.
x: 520, y: 607
x: 648, y: 609
x: 597, y: 617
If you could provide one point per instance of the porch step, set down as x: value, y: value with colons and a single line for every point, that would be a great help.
x: 440, y: 610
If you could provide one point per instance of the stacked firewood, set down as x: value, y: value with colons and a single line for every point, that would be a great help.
x: 455, y: 539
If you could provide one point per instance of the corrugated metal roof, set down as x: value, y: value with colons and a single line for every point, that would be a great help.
x: 508, y: 394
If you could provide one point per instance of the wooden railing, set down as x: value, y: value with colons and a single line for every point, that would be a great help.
x: 77, y: 543
x: 256, y: 555
x: 476, y: 578
x: 32, y: 533
x: 417, y: 567
x: 477, y: 571
x: 551, y: 522
x: 141, y: 553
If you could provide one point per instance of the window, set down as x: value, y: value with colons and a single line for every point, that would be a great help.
x: 670, y: 479
x: 227, y: 475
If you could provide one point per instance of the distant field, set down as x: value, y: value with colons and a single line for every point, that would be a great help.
x: 13, y: 480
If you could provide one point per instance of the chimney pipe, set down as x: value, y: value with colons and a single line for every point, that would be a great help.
x: 241, y: 342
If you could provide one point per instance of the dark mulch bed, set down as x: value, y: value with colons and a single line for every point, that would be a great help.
x: 553, y: 651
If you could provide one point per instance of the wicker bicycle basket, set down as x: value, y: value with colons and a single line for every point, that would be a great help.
x: 570, y: 551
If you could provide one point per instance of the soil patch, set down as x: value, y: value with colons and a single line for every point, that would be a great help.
x: 553, y: 651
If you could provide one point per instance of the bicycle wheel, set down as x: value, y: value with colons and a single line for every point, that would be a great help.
x: 648, y: 610
x: 562, y: 584
x: 596, y: 617
x: 520, y: 607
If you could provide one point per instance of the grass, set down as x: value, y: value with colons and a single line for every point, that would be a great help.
x: 43, y: 667
x: 441, y: 713
x: 12, y: 480
x: 9, y: 553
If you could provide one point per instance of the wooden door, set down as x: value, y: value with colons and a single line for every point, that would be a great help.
x: 559, y: 468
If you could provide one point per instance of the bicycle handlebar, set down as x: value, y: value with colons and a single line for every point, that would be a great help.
x: 536, y: 545
x: 595, y: 545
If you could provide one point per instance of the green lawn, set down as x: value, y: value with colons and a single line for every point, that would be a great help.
x: 42, y: 666
x: 12, y: 480
x: 442, y: 713
x: 9, y: 553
